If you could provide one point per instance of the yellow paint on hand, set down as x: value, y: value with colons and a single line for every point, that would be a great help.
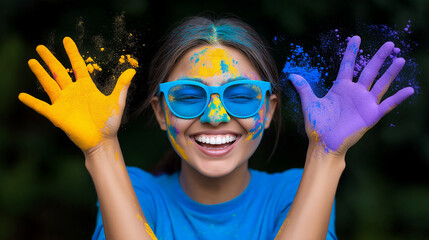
x: 315, y: 136
x: 132, y: 61
x: 80, y: 109
x: 150, y: 232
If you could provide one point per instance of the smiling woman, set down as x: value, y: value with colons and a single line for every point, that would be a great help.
x: 222, y: 67
x: 214, y: 90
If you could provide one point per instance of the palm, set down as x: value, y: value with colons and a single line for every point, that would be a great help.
x: 349, y: 109
x: 84, y: 113
x: 89, y: 117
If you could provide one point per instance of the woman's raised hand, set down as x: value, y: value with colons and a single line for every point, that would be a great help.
x: 349, y: 109
x: 85, y: 114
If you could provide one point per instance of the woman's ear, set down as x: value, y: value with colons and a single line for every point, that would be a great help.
x: 272, y: 104
x: 159, y: 112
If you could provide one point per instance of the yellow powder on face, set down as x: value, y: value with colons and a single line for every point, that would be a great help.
x: 217, y: 112
x: 150, y: 232
x: 89, y: 59
x: 170, y: 135
x: 212, y: 61
x: 116, y: 156
x: 139, y: 217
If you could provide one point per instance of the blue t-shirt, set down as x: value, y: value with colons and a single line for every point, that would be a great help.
x: 257, y: 213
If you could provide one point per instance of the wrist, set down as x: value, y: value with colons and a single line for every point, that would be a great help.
x: 101, y: 153
x: 318, y: 154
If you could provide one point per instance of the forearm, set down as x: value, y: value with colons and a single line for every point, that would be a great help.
x: 308, y: 217
x: 121, y: 212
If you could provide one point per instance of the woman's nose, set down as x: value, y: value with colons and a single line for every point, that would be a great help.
x: 215, y: 112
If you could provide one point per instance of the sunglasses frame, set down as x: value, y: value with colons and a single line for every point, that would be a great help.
x: 165, y: 87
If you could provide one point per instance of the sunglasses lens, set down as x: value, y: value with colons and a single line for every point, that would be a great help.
x: 187, y: 100
x: 243, y: 100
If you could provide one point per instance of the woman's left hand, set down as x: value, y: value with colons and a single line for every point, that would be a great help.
x: 339, y: 119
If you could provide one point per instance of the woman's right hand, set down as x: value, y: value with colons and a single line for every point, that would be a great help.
x: 85, y: 114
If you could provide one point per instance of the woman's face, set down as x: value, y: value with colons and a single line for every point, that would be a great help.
x: 215, y: 143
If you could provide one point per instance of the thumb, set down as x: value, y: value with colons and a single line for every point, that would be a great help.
x: 304, y: 89
x: 121, y: 89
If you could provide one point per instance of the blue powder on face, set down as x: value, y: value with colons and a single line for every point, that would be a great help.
x: 224, y: 67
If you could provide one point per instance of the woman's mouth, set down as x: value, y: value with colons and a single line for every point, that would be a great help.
x: 215, y: 144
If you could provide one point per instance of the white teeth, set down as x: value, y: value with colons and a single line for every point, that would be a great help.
x: 215, y: 140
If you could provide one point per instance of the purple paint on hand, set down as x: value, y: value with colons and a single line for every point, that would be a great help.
x: 349, y: 109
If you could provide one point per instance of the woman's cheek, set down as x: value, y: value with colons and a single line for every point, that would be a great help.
x: 173, y: 132
x: 258, y: 124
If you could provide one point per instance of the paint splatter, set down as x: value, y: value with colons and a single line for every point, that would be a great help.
x: 319, y: 65
x: 215, y: 112
x: 258, y: 124
x: 172, y: 133
x: 103, y: 51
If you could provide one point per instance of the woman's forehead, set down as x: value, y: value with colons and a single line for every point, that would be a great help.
x: 214, y: 62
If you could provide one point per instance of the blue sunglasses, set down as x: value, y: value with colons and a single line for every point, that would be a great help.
x: 189, y: 99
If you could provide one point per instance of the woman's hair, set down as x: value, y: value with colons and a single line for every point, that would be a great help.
x: 201, y: 30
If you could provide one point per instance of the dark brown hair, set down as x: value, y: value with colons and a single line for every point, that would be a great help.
x: 202, y: 30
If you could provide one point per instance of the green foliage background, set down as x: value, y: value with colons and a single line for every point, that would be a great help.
x: 46, y: 192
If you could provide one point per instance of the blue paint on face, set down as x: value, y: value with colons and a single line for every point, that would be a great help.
x: 215, y: 112
x: 196, y: 57
x: 224, y: 67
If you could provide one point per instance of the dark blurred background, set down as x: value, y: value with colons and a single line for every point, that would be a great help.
x: 46, y: 192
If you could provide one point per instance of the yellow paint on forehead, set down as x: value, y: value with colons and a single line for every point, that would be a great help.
x: 213, y: 61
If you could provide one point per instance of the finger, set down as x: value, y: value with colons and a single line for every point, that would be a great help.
x: 49, y: 85
x: 391, y: 102
x: 123, y: 81
x: 383, y: 83
x: 76, y: 60
x: 304, y: 89
x: 37, y: 105
x: 348, y: 63
x: 370, y: 71
x: 57, y: 69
